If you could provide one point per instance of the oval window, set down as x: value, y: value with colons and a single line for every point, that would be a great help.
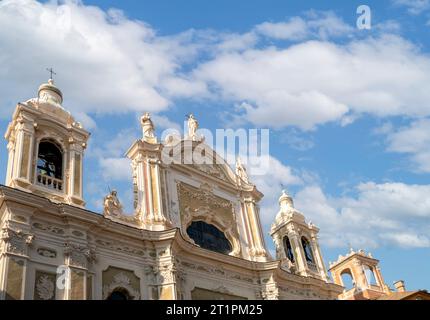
x: 209, y: 237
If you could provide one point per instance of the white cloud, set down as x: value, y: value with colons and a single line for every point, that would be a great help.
x: 315, y: 82
x: 316, y: 25
x: 104, y: 146
x: 116, y: 169
x: 375, y: 214
x: 414, y: 6
x: 105, y: 62
x: 297, y: 140
x: 413, y: 140
x: 395, y: 214
x: 409, y: 239
x: 164, y: 123
x: 294, y: 29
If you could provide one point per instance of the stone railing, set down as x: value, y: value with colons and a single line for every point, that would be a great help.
x: 50, y: 182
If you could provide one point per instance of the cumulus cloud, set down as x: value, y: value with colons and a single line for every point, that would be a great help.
x: 108, y: 63
x: 414, y: 6
x: 371, y: 215
x: 315, y: 25
x: 395, y: 214
x: 105, y: 62
x: 413, y: 140
x: 315, y: 82
x: 116, y: 169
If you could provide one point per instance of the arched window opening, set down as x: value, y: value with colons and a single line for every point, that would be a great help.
x: 308, y: 251
x: 370, y: 276
x: 50, y: 165
x: 209, y: 237
x: 288, y: 249
x: 119, y: 294
x: 347, y: 280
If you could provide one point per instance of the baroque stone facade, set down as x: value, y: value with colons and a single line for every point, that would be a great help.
x: 195, y: 232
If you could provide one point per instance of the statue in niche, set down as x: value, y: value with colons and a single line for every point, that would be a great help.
x: 193, y: 125
x: 112, y: 205
x: 241, y: 171
x: 147, y: 127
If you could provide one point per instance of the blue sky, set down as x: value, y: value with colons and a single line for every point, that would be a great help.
x: 348, y: 109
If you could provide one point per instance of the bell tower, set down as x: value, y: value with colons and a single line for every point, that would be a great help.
x: 296, y: 241
x: 46, y: 148
x: 363, y: 275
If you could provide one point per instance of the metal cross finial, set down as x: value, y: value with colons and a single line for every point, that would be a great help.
x: 51, y: 71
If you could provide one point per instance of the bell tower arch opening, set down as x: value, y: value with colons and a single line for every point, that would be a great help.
x: 288, y: 249
x: 347, y: 279
x: 49, y: 165
x: 308, y: 251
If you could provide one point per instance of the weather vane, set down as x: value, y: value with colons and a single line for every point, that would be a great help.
x: 51, y: 71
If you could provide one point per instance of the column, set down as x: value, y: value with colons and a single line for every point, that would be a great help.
x: 166, y: 273
x: 318, y: 256
x: 23, y: 153
x: 73, y: 166
x: 10, y: 162
x: 257, y: 249
x: 77, y: 259
x: 298, y: 254
x: 139, y: 167
x: 13, y: 263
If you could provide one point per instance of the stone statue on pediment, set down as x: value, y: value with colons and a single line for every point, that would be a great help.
x: 193, y: 125
x: 148, y: 128
x: 241, y: 171
x: 112, y: 205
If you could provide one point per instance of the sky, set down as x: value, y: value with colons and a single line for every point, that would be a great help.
x: 348, y: 109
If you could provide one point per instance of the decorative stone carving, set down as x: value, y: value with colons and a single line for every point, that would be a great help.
x: 222, y: 289
x: 193, y: 125
x: 118, y: 246
x: 167, y: 273
x: 241, y: 171
x: 203, y: 195
x: 19, y: 218
x: 113, y: 209
x: 270, y: 291
x: 47, y: 253
x: 45, y: 288
x: 202, y: 204
x: 120, y: 280
x: 49, y: 228
x: 16, y: 240
x: 78, y: 255
x: 112, y: 205
x: 213, y: 170
x: 148, y: 128
x: 77, y: 233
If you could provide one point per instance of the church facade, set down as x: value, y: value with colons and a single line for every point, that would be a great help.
x: 195, y: 232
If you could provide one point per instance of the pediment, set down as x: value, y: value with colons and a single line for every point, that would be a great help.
x: 201, y: 157
x: 213, y: 170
